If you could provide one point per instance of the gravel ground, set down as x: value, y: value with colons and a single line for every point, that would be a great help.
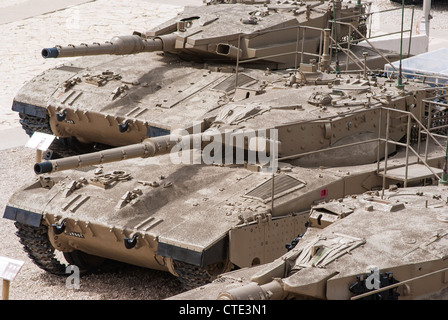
x: 24, y: 39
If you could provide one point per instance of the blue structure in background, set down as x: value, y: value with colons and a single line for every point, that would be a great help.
x: 426, y: 66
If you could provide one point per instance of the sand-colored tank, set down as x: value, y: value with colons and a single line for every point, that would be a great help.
x: 149, y: 83
x: 227, y: 184
x: 233, y: 191
x: 368, y: 247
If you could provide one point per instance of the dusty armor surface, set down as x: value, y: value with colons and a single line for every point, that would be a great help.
x: 228, y: 183
x: 373, y: 248
x: 232, y: 193
x: 150, y: 83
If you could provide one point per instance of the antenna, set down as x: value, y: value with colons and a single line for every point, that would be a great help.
x: 400, y: 75
x: 336, y: 69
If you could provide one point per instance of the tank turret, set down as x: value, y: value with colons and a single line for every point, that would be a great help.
x: 268, y: 34
x: 101, y: 100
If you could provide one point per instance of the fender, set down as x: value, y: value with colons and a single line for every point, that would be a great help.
x: 23, y: 216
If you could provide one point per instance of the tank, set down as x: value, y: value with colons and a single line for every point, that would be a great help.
x: 149, y: 83
x: 230, y: 193
x: 228, y: 184
x: 365, y: 247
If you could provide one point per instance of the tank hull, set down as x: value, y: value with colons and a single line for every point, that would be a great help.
x: 385, y: 261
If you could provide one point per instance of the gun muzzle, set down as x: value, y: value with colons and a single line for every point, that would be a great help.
x: 119, y: 45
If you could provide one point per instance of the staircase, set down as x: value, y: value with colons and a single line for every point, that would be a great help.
x: 418, y: 169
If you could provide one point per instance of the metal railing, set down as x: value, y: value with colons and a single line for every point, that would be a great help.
x: 434, y: 80
x: 299, y: 50
x: 350, y: 55
x: 326, y: 42
x: 412, y: 121
x: 332, y: 42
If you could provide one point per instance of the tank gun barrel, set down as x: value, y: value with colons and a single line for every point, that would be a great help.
x: 119, y: 45
x: 148, y: 148
x: 269, y: 291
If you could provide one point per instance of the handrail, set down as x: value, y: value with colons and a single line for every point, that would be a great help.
x: 350, y: 54
x: 407, y: 145
x: 369, y: 14
x: 387, y: 141
x: 296, y: 52
x: 347, y: 53
x: 370, y: 44
x: 361, y: 65
x: 425, y: 130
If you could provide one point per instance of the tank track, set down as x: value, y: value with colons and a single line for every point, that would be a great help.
x: 39, y: 248
x: 33, y: 124
x: 192, y: 276
x: 61, y: 147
